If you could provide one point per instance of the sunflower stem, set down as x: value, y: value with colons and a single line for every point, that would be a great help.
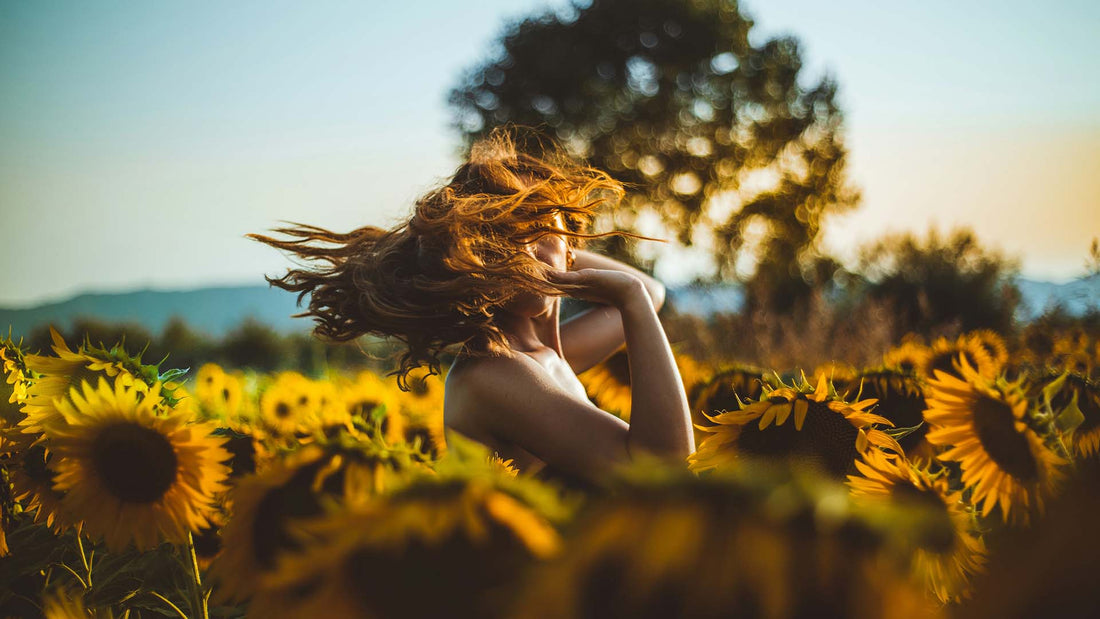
x: 199, y: 600
x: 169, y: 603
x: 75, y: 575
x: 84, y: 560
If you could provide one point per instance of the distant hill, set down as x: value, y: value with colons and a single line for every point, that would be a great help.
x: 217, y: 310
x: 1076, y: 297
x: 212, y: 310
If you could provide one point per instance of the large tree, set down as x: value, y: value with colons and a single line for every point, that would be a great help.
x: 715, y: 136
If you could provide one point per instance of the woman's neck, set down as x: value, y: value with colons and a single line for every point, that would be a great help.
x: 532, y: 333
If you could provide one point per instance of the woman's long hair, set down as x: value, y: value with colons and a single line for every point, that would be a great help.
x: 435, y: 281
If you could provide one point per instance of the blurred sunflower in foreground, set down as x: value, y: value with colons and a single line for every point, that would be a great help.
x: 1049, y: 569
x: 342, y: 470
x: 450, y: 544
x: 752, y: 541
x: 984, y: 425
x: 129, y: 472
x: 946, y: 553
x: 811, y: 425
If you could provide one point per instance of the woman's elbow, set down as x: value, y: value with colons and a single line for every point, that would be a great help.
x: 656, y: 293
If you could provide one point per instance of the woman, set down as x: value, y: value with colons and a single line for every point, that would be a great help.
x: 480, y: 269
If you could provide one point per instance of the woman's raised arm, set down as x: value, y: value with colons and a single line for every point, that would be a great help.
x: 519, y: 404
x: 597, y: 333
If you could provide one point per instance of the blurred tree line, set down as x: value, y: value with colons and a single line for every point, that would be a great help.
x: 252, y: 345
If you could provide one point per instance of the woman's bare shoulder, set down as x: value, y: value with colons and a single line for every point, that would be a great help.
x: 467, y: 378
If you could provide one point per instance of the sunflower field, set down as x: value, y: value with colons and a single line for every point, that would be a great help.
x: 957, y: 478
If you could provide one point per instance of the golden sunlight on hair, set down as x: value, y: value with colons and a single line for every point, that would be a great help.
x: 436, y: 280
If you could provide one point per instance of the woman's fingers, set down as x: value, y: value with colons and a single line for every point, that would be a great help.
x: 600, y: 285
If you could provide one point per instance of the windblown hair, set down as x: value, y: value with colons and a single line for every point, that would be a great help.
x: 436, y: 281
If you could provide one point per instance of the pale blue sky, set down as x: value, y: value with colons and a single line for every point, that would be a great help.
x: 140, y: 140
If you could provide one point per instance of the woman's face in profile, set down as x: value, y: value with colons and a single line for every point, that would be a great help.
x: 551, y: 250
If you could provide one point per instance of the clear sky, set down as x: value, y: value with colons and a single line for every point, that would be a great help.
x: 140, y: 140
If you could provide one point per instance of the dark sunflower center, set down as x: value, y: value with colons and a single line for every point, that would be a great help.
x: 282, y: 411
x: 427, y: 445
x: 225, y: 394
x: 827, y: 441
x: 994, y: 424
x: 303, y: 400
x: 831, y: 439
x: 362, y: 408
x: 135, y: 464
x: 278, y: 507
x: 243, y: 449
x: 418, y: 387
x: 907, y: 365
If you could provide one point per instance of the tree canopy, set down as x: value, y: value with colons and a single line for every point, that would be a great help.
x: 714, y: 135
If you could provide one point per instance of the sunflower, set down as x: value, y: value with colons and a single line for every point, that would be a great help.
x: 266, y: 505
x: 900, y: 399
x: 129, y: 473
x: 374, y: 403
x: 608, y: 384
x: 946, y: 356
x: 55, y: 376
x: 427, y: 435
x: 993, y: 344
x: 32, y: 479
x: 752, y: 541
x: 725, y: 391
x: 838, y: 373
x: 984, y: 423
x: 261, y: 505
x: 1036, y: 344
x: 1066, y: 391
x: 1048, y: 569
x: 948, y: 549
x: 476, y: 530
x: 425, y: 395
x: 15, y: 371
x: 289, y: 406
x: 825, y: 432
x: 332, y: 413
x: 910, y: 357
x: 1078, y: 362
x: 221, y: 393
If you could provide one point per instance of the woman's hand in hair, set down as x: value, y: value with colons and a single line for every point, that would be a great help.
x: 615, y: 288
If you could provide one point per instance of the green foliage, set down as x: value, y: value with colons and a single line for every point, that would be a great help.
x: 672, y: 97
x: 940, y: 284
